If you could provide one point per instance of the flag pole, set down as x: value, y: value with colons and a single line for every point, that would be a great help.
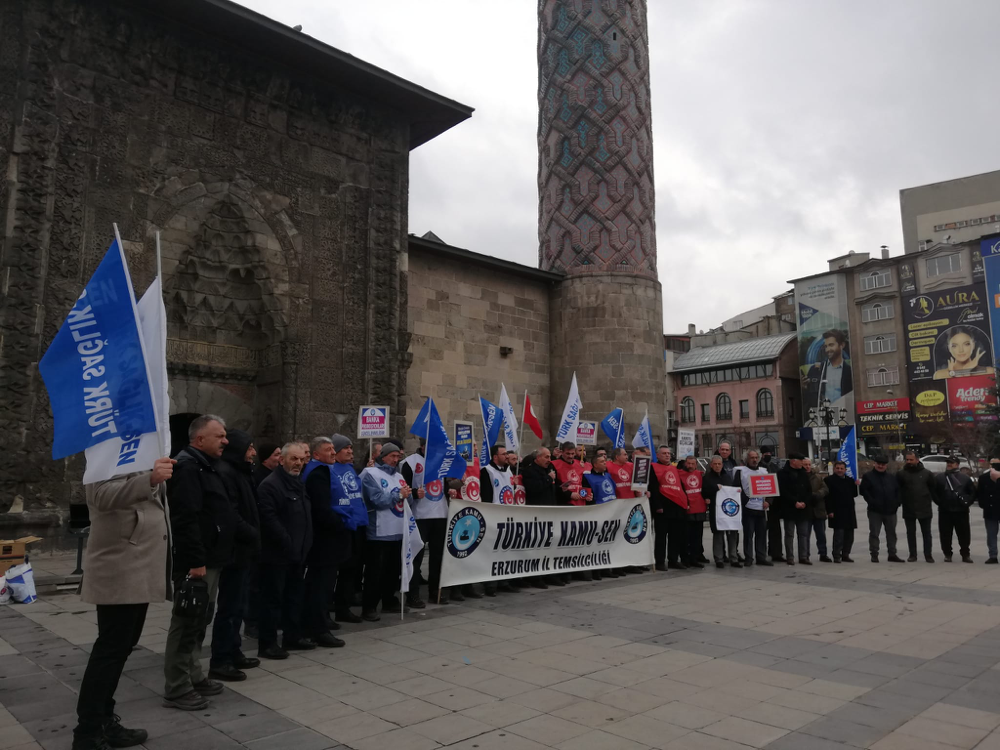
x: 427, y: 441
x: 621, y: 423
x: 520, y: 439
x: 164, y: 449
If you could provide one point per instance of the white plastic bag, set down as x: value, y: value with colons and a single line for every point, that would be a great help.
x: 21, y: 582
x: 4, y: 590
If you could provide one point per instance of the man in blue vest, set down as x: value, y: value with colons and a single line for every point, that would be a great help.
x: 603, y: 490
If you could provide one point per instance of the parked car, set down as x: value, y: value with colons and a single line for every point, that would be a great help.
x: 938, y: 463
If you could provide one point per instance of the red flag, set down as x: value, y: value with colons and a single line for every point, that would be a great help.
x: 529, y: 418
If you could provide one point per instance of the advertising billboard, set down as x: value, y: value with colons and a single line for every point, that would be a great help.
x: 824, y: 345
x: 947, y: 337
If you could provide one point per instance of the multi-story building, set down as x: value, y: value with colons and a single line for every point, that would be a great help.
x: 745, y: 392
x: 954, y: 211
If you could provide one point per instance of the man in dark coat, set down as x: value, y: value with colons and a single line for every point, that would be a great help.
x: 268, y: 457
x: 988, y: 494
x: 955, y: 494
x: 236, y: 469
x: 918, y: 492
x: 796, y: 508
x: 539, y: 478
x: 286, y: 538
x: 880, y: 490
x: 331, y: 546
x: 203, y: 522
x: 721, y: 540
x: 840, y: 511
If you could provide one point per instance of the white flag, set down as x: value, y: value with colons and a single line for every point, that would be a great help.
x: 412, y: 544
x: 728, y: 509
x: 119, y: 456
x: 644, y: 436
x: 571, y: 414
x: 509, y: 422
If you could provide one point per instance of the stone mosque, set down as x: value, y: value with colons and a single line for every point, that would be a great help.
x: 275, y: 168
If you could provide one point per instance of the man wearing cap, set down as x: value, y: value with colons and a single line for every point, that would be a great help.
x: 796, y: 504
x: 384, y: 491
x: 956, y: 493
x: 881, y: 493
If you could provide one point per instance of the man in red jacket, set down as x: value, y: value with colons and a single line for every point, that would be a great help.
x: 669, y: 505
x: 569, y: 473
x: 693, y: 552
x: 620, y: 469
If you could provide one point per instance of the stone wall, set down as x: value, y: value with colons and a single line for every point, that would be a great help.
x: 461, y: 314
x: 281, y: 203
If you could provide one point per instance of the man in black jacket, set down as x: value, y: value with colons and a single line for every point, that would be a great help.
x: 236, y: 470
x: 286, y: 538
x: 204, y: 524
x: 918, y: 492
x: 881, y: 492
x: 539, y: 480
x: 988, y: 495
x: 796, y: 507
x: 955, y: 494
x: 840, y: 511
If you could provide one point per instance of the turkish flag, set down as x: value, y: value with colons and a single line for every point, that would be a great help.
x: 530, y: 419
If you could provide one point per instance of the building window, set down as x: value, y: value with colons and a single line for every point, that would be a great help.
x: 884, y: 342
x: 687, y: 410
x: 874, y: 280
x: 943, y: 264
x: 723, y: 407
x: 765, y: 404
x: 728, y: 374
x: 706, y: 444
x: 744, y: 409
x: 876, y: 311
x: 706, y: 413
x: 883, y: 376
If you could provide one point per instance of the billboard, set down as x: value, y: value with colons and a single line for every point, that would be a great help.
x: 947, y: 337
x: 990, y: 251
x: 824, y: 345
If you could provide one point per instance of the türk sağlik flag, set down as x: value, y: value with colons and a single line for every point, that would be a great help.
x: 613, y: 426
x: 529, y: 418
x: 412, y: 544
x: 440, y: 457
x: 126, y: 454
x: 644, y: 436
x: 95, y: 370
x: 849, y: 454
x: 511, y: 442
x: 492, y: 419
x: 571, y: 414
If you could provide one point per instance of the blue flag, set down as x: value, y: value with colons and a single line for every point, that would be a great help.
x: 644, y: 437
x: 440, y: 457
x: 849, y: 454
x: 95, y: 369
x: 613, y: 426
x: 492, y: 422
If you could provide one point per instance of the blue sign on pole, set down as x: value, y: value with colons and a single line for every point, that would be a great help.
x: 990, y: 250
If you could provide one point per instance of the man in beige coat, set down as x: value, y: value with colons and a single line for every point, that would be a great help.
x: 126, y: 568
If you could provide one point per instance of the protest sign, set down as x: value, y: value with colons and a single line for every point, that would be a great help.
x: 764, y: 485
x: 373, y: 422
x: 586, y: 433
x: 640, y: 473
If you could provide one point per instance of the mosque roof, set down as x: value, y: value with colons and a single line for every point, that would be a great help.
x: 751, y: 350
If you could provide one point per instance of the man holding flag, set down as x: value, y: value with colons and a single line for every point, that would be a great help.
x: 644, y: 439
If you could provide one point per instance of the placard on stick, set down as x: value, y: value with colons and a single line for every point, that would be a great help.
x: 763, y: 485
x: 640, y: 473
x: 373, y: 422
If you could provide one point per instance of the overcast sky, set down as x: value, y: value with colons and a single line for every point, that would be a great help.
x: 783, y: 129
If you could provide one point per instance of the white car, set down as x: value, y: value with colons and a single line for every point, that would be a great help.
x: 938, y: 464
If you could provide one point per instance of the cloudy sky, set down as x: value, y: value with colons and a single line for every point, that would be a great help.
x: 783, y: 129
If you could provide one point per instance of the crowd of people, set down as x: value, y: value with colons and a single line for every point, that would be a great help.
x: 293, y: 539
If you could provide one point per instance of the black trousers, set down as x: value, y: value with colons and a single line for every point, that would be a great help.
x: 775, y: 537
x: 383, y: 564
x: 911, y: 535
x: 319, y: 584
x: 694, y: 544
x: 349, y: 575
x: 252, y: 610
x: 281, y: 588
x: 957, y: 521
x: 432, y: 531
x: 230, y: 607
x: 118, y: 629
x: 660, y: 538
x: 843, y: 543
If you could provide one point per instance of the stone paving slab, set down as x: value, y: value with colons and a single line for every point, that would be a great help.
x: 790, y: 658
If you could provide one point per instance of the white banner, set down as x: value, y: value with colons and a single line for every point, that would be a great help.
x: 486, y: 542
x: 510, y: 437
x: 728, y: 509
x: 685, y: 443
x: 412, y: 544
x: 570, y: 415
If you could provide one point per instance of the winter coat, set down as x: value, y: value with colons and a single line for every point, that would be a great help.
x: 881, y: 492
x: 379, y: 498
x: 917, y: 490
x: 237, y: 475
x: 539, y: 485
x: 988, y: 495
x: 955, y: 491
x: 840, y: 502
x: 795, y: 487
x: 285, y: 519
x: 819, y: 493
x: 127, y: 559
x: 709, y: 490
x: 738, y: 481
x: 331, y: 537
x: 203, y: 518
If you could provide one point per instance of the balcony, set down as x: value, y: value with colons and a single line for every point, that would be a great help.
x: 762, y: 415
x: 724, y: 417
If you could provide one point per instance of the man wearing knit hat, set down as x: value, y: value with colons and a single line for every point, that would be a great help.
x: 384, y: 491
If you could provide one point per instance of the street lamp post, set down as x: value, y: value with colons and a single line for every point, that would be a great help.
x: 825, y: 414
x: 899, y: 425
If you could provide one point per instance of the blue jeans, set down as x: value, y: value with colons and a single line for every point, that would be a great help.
x: 992, y: 526
x: 226, y: 643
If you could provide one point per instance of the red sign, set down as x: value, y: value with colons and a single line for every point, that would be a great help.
x: 970, y: 397
x: 763, y: 485
x: 884, y: 405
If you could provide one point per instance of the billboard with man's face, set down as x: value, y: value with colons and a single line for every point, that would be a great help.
x: 824, y: 344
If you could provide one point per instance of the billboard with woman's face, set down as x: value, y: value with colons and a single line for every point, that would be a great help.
x: 947, y: 336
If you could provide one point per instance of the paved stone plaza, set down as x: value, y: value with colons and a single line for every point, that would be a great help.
x: 833, y: 656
